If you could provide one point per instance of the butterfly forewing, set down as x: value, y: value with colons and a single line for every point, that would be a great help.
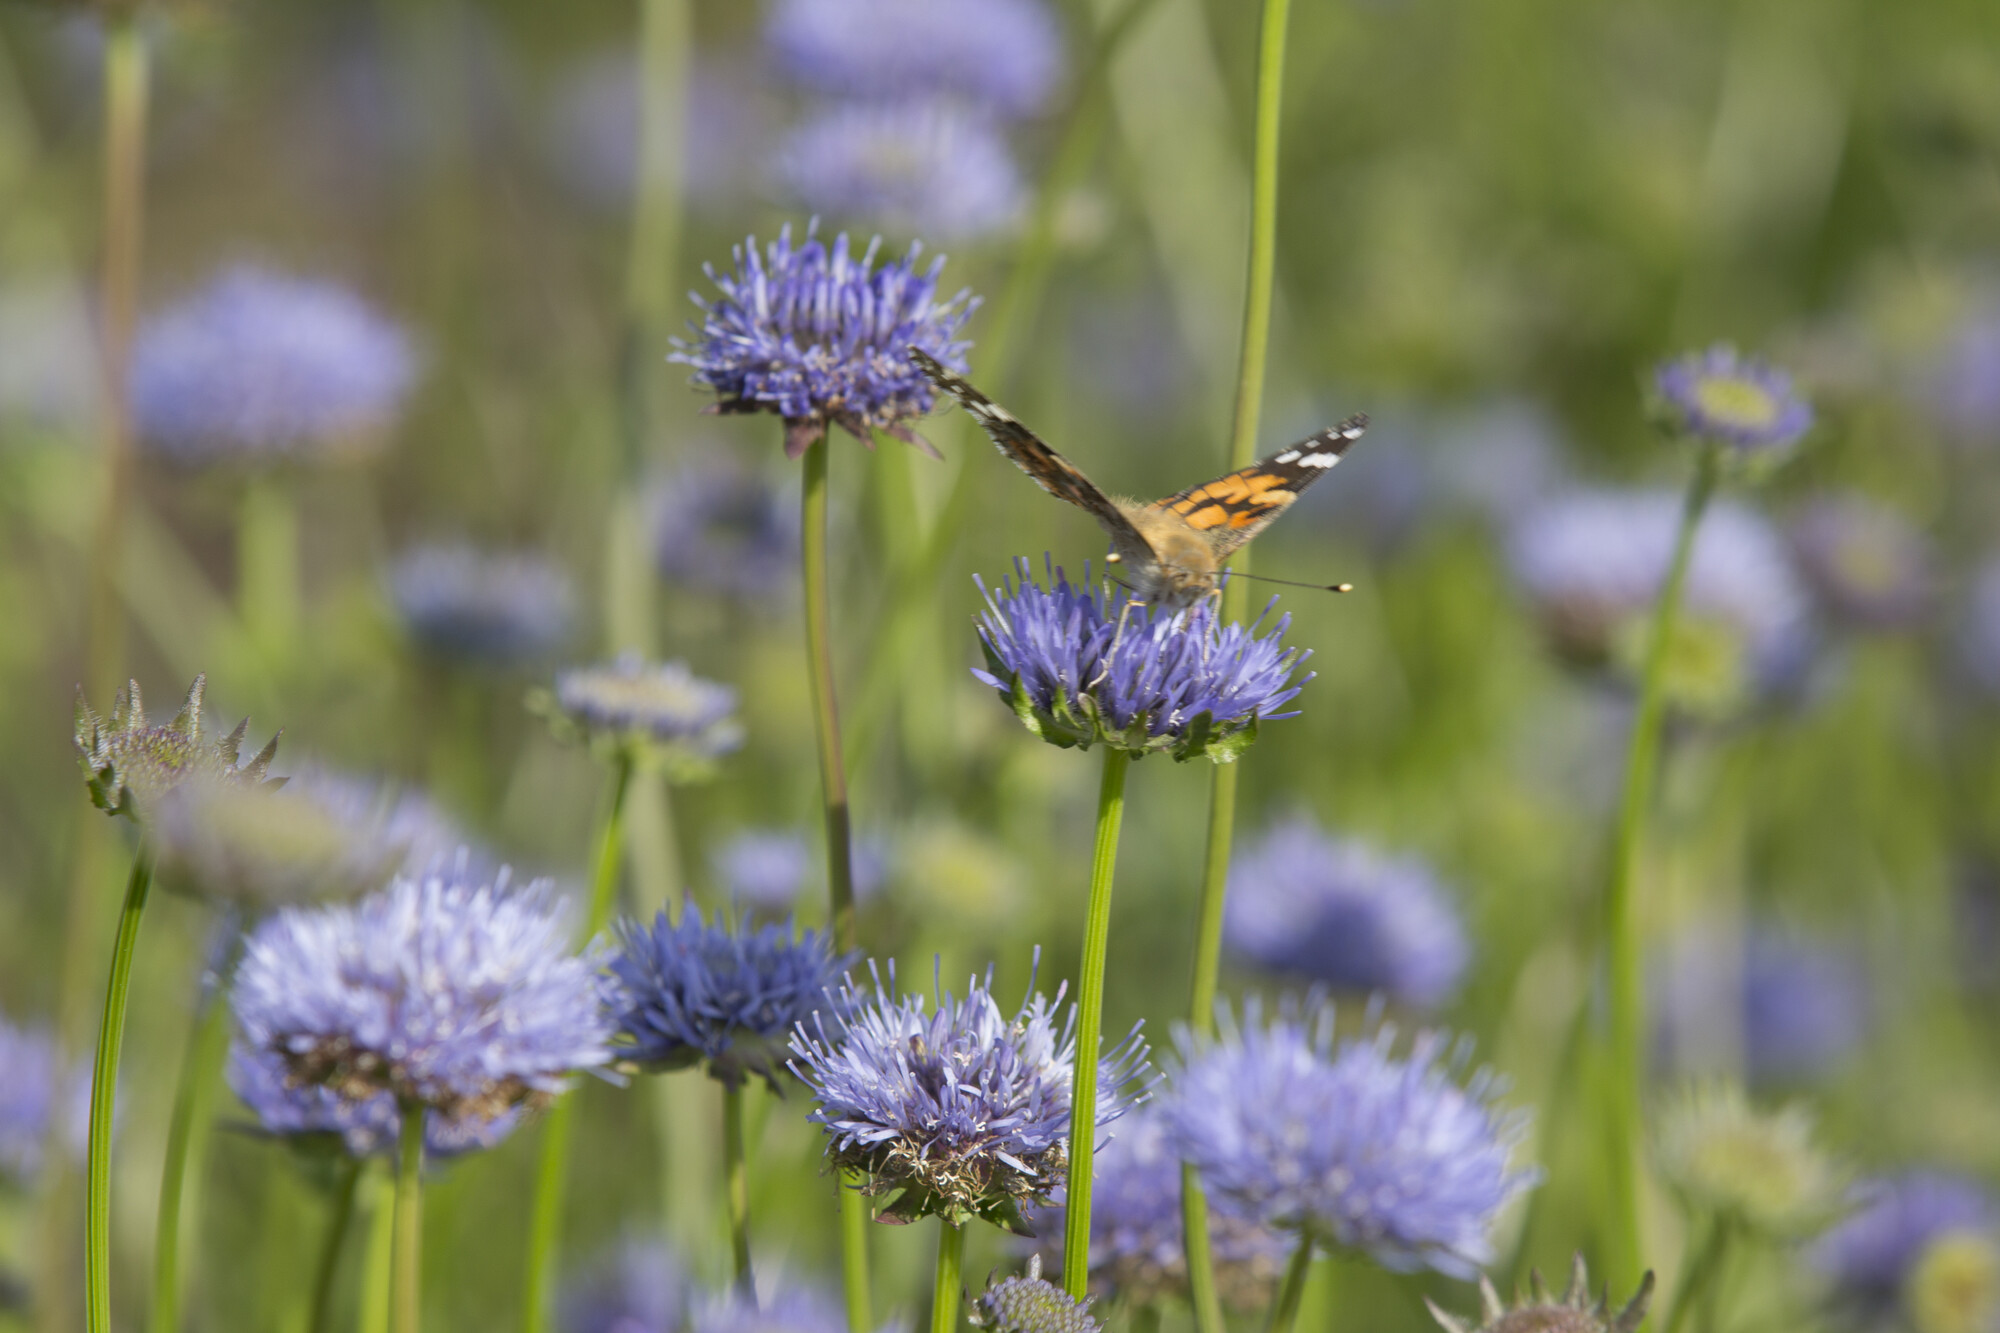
x: 1233, y: 508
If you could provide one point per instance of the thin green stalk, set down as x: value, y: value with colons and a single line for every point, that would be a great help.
x: 736, y: 1175
x: 1623, y: 945
x: 379, y: 1258
x: 337, y: 1224
x: 103, y: 1093
x: 198, y: 1067
x: 1254, y: 354
x: 1285, y: 1310
x: 945, y: 1290
x: 267, y: 567
x: 1090, y: 1018
x: 406, y: 1262
x: 545, y: 1224
x: 1699, y: 1277
x: 854, y: 1278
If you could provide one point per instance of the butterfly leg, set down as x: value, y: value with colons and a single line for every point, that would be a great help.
x: 1117, y: 637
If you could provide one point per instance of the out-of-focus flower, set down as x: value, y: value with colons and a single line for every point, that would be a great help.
x: 1575, y: 1312
x: 1002, y: 55
x: 1870, y: 1254
x: 258, y: 366
x: 321, y: 835
x: 1592, y: 564
x: 1080, y: 668
x: 816, y: 335
x: 725, y: 530
x: 444, y: 991
x: 1352, y: 1146
x: 314, y: 1118
x: 1030, y: 1304
x: 130, y: 766
x: 34, y: 1090
x: 640, y: 1287
x: 1868, y: 565
x: 725, y: 995
x: 764, y: 869
x: 1797, y: 1005
x: 964, y: 1110
x: 489, y: 609
x: 49, y: 376
x: 1955, y: 1285
x: 659, y: 713
x: 594, y: 128
x: 798, y: 1309
x: 1341, y: 912
x: 1980, y: 637
x: 1730, y: 399
x: 1759, y: 1169
x: 911, y: 168
x: 1964, y: 386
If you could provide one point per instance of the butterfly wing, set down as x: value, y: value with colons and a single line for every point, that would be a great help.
x: 1050, y: 470
x: 1232, y: 509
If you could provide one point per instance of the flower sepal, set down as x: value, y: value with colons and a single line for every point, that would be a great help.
x: 914, y: 1203
x: 128, y: 766
x: 1081, y: 724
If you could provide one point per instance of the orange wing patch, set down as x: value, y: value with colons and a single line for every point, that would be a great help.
x: 1238, y: 500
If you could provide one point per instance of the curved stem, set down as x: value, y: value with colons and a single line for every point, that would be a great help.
x: 406, y: 1260
x: 1623, y: 945
x: 337, y: 1225
x: 103, y: 1094
x: 1090, y: 1017
x: 736, y: 1177
x: 1285, y: 1310
x: 198, y: 1065
x: 945, y: 1289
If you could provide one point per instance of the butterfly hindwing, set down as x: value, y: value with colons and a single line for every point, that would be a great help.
x: 1233, y: 508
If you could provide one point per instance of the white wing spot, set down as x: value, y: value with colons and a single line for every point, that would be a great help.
x: 1317, y: 460
x: 1289, y: 456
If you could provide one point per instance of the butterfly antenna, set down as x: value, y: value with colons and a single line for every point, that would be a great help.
x: 1292, y: 583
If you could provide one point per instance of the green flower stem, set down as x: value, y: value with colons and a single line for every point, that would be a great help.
x: 1700, y: 1276
x: 379, y: 1258
x: 1090, y: 1018
x: 406, y: 1261
x: 267, y: 566
x: 1285, y: 1309
x: 337, y: 1225
x: 199, y: 1063
x: 854, y: 1250
x: 1623, y: 945
x: 950, y: 1264
x: 1254, y: 354
x: 545, y: 1225
x: 736, y: 1175
x: 103, y: 1093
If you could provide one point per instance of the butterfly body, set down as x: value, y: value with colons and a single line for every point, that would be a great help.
x: 1171, y: 550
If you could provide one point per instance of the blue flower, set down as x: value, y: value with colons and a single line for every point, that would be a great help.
x: 261, y: 366
x: 799, y: 1309
x: 1964, y: 386
x: 1868, y: 565
x: 1080, y: 668
x: 727, y: 995
x: 311, y: 1116
x: 764, y: 869
x: 1341, y: 912
x: 911, y: 168
x: 724, y: 530
x: 1798, y: 1005
x: 1870, y: 1254
x: 641, y: 1287
x: 474, y: 607
x: 36, y: 1092
x: 1031, y: 1304
x: 1001, y: 55
x: 1353, y: 1147
x: 1980, y: 636
x: 446, y: 991
x: 1739, y: 401
x: 963, y: 1109
x: 661, y: 713
x: 817, y: 336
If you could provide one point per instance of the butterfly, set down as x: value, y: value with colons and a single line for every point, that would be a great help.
x: 1173, y: 549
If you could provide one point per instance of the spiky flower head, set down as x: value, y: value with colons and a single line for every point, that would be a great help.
x: 314, y: 1120
x: 1728, y: 399
x: 1575, y: 1312
x: 1867, y: 564
x: 36, y: 1092
x: 443, y: 990
x: 1871, y: 1254
x: 482, y: 608
x: 911, y: 168
x: 1351, y: 1146
x: 1030, y: 1304
x: 130, y: 765
x: 1081, y: 668
x: 725, y: 530
x: 819, y: 336
x: 659, y: 714
x: 1341, y: 912
x: 1004, y: 56
x: 1758, y: 1169
x: 963, y: 1109
x: 723, y: 994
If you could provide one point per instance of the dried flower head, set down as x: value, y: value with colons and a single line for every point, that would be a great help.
x: 660, y: 714
x: 130, y: 765
x: 911, y: 168
x: 1759, y: 1169
x: 1575, y: 1312
x: 1730, y: 399
x: 1030, y: 1304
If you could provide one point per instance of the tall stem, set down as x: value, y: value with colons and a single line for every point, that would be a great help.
x: 378, y: 1260
x: 545, y: 1224
x: 337, y: 1225
x: 198, y: 1065
x: 1285, y: 1310
x: 1623, y: 945
x: 1090, y: 1018
x: 736, y: 1174
x: 406, y: 1262
x: 103, y: 1093
x: 945, y: 1289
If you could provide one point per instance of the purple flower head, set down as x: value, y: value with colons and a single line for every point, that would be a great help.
x: 1081, y: 668
x: 799, y: 1309
x: 911, y: 168
x: 661, y: 713
x: 1004, y: 56
x: 1030, y: 1304
x: 460, y: 995
x: 469, y: 606
x: 724, y: 530
x: 313, y: 1117
x: 640, y: 1287
x: 1965, y: 382
x: 1798, y: 1005
x: 1867, y: 564
x: 130, y: 766
x: 1725, y: 398
x: 1356, y: 1148
x: 35, y: 1090
x: 962, y: 1108
x: 764, y: 869
x: 722, y: 994
x: 259, y: 366
x: 817, y: 335
x: 1341, y: 912
x: 1870, y: 1253
x: 1980, y: 637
